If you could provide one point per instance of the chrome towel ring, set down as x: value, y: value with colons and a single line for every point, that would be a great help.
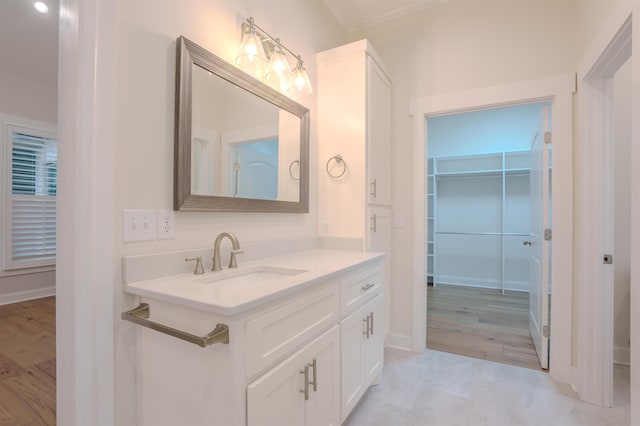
x: 291, y: 167
x: 339, y: 163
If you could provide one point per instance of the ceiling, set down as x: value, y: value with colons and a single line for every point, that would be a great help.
x: 29, y: 40
x: 356, y: 14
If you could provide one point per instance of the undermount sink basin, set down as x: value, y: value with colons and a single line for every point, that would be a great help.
x: 249, y: 278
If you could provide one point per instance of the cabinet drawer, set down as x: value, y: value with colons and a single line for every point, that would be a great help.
x: 360, y: 287
x: 273, y: 335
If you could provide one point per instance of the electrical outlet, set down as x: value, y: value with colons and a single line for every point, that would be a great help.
x: 138, y: 225
x: 166, y: 224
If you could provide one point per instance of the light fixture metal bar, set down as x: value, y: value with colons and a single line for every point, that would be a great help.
x: 268, y: 37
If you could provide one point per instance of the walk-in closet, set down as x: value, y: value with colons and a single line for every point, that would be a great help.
x: 478, y: 250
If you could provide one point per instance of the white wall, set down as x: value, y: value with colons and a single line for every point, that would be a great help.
x: 622, y: 213
x: 484, y: 131
x: 144, y: 143
x: 457, y: 46
x: 25, y: 97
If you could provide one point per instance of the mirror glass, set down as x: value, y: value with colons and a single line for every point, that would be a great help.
x: 240, y: 145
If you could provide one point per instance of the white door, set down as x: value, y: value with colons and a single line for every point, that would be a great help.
x: 539, y: 278
x: 256, y: 170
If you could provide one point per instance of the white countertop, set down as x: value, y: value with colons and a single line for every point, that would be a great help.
x: 191, y: 290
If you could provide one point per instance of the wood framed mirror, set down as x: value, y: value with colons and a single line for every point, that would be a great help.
x: 240, y: 145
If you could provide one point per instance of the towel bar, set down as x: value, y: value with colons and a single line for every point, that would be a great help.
x: 139, y: 315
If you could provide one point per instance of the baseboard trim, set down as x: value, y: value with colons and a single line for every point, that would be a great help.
x: 399, y: 341
x: 621, y: 355
x: 21, y: 296
x: 482, y: 283
x: 574, y: 378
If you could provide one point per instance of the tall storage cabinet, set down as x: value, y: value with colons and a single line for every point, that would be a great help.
x: 354, y: 122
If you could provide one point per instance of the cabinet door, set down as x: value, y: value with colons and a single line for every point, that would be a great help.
x: 374, y: 345
x: 323, y: 406
x: 378, y: 135
x: 277, y: 397
x: 379, y: 239
x: 352, y: 331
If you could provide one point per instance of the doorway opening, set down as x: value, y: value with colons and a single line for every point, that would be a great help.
x: 485, y: 239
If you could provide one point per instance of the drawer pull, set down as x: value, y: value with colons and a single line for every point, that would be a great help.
x: 367, y: 287
x: 366, y: 326
x: 305, y: 391
x: 370, y: 323
x: 314, y: 365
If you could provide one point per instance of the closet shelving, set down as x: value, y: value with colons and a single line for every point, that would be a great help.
x: 477, y: 218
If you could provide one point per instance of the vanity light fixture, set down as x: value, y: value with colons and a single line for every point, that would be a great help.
x: 41, y: 7
x: 272, y: 67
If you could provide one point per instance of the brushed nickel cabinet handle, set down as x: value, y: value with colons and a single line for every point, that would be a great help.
x: 314, y: 365
x: 374, y: 188
x: 370, y: 323
x: 305, y: 391
x: 374, y: 223
x: 366, y: 326
x: 367, y: 286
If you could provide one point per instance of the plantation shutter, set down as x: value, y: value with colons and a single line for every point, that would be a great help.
x: 32, y: 199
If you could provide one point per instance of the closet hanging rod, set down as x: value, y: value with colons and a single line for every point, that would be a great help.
x: 506, y: 234
x: 139, y: 315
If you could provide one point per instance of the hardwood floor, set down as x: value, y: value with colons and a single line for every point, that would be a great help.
x: 28, y: 363
x: 481, y: 323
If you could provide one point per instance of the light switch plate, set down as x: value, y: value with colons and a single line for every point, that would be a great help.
x: 166, y: 224
x: 138, y: 225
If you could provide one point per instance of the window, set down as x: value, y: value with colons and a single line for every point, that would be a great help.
x: 31, y: 197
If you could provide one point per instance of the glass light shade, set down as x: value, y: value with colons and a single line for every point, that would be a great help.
x: 278, y: 73
x: 300, y: 84
x: 251, y: 55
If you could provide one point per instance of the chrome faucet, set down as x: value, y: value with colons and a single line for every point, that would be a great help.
x: 216, y: 251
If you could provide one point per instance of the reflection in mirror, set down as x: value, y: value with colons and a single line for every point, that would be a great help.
x: 241, y: 141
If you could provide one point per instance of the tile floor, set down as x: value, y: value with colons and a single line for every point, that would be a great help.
x: 442, y: 389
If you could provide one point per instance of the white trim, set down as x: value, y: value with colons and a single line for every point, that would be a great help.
x: 595, y: 351
x: 21, y: 296
x: 6, y: 121
x: 419, y: 285
x: 559, y: 90
x: 621, y: 355
x: 85, y: 311
x: 399, y: 341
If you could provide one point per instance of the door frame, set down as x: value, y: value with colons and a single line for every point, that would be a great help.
x: 611, y: 47
x: 559, y: 90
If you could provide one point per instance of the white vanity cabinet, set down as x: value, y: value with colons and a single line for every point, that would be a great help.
x: 286, y: 360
